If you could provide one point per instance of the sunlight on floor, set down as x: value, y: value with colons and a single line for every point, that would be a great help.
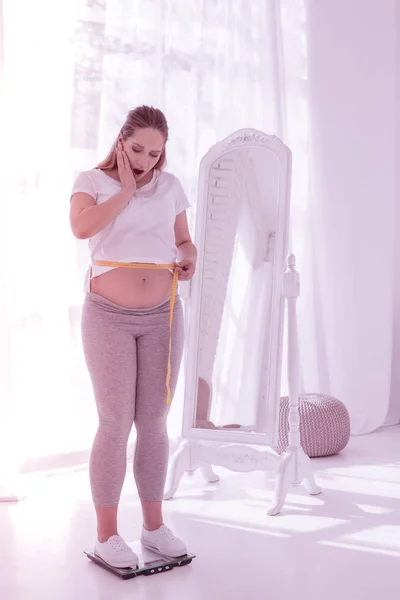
x: 350, y: 534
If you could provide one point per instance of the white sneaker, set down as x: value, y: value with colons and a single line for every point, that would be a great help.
x: 163, y: 541
x: 116, y: 553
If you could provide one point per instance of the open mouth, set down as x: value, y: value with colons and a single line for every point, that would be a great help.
x: 138, y: 171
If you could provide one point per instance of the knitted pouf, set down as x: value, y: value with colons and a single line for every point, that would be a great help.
x: 324, y: 425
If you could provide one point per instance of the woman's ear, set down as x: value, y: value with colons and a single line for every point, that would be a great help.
x: 119, y: 142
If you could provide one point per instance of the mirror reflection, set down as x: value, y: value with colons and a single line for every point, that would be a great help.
x: 236, y: 287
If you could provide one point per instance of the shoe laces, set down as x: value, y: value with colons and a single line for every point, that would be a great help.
x: 118, y: 543
x: 166, y: 532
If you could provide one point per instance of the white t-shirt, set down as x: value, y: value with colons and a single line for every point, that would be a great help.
x: 144, y: 231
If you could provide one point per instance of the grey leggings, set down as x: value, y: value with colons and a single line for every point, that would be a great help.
x: 126, y: 352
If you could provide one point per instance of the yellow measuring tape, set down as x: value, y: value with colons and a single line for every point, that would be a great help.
x: 106, y: 263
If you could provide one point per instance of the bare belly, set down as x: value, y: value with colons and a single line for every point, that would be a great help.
x: 133, y: 288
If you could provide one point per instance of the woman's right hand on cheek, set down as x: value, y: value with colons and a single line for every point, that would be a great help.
x: 125, y: 172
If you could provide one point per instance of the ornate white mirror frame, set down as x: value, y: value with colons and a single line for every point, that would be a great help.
x: 245, y: 178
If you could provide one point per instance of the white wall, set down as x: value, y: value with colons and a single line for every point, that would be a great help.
x: 394, y: 409
x: 352, y: 65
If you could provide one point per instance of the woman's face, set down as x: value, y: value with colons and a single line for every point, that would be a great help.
x: 143, y: 149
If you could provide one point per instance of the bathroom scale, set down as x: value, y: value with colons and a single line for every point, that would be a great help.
x: 150, y: 563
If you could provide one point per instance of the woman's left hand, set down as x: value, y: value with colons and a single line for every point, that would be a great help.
x: 186, y: 269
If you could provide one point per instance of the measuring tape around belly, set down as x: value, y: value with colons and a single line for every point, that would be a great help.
x: 126, y: 265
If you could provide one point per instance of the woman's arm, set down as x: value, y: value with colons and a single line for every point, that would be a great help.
x: 186, y: 249
x: 88, y: 218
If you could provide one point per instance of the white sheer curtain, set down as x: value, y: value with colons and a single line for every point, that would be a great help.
x: 212, y: 66
x: 240, y: 350
x: 346, y: 308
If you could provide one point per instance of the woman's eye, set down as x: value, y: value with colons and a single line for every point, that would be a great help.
x: 151, y: 155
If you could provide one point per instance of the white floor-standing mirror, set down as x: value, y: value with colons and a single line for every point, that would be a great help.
x: 235, y: 323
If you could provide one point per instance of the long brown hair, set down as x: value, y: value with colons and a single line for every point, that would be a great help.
x: 140, y: 117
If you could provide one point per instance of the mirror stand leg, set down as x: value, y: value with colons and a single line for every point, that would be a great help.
x: 307, y: 474
x: 294, y: 469
x: 180, y: 463
x: 208, y: 473
x: 285, y: 476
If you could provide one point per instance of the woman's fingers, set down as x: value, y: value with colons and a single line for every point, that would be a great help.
x: 125, y: 159
x: 125, y: 172
x: 120, y: 160
x: 185, y: 271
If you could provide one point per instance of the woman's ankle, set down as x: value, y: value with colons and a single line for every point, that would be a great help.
x: 106, y: 523
x: 105, y: 536
x: 153, y: 525
x: 152, y: 514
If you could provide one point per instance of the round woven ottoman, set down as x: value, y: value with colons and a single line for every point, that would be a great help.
x: 324, y: 425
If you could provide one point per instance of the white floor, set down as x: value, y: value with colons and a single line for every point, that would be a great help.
x: 342, y: 544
